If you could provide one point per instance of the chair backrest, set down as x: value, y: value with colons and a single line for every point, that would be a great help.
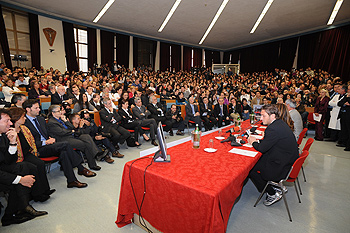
x: 297, y: 166
x: 301, y: 136
x: 308, y: 144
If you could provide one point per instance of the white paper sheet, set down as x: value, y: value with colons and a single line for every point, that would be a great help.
x: 259, y: 131
x: 247, y: 145
x: 263, y: 127
x: 243, y: 152
x: 317, y: 118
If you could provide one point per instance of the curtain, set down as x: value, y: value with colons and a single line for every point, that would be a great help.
x: 287, y: 53
x: 92, y: 47
x: 187, y: 53
x: 164, y: 56
x: 123, y: 46
x: 208, y: 58
x: 69, y: 47
x: 107, y: 47
x: 154, y: 52
x: 216, y: 57
x: 135, y: 51
x: 226, y: 57
x: 197, y: 57
x: 34, y: 40
x: 176, y: 57
x: 4, y: 43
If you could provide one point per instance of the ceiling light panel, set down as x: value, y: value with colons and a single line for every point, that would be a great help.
x: 217, y: 15
x: 171, y: 12
x: 263, y: 13
x: 103, y: 11
x: 335, y: 11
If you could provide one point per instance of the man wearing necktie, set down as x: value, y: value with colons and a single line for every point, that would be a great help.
x: 221, y: 113
x: 207, y: 114
x: 192, y: 113
x: 48, y: 146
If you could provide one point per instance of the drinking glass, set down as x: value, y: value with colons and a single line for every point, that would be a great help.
x: 211, y: 143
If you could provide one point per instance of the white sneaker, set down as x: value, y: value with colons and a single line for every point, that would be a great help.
x: 279, y: 190
x: 271, y: 199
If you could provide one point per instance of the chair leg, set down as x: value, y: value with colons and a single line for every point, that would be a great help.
x: 286, y: 204
x: 296, y: 190
x: 261, y: 194
x: 48, y: 168
x: 299, y: 186
x: 302, y: 169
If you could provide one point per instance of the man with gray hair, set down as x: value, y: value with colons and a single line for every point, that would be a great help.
x: 296, y: 117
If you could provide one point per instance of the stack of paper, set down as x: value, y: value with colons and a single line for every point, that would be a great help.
x: 243, y: 152
x: 317, y: 118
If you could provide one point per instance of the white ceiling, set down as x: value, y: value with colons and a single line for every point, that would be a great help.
x: 192, y: 17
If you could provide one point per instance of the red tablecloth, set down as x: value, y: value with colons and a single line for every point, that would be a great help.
x: 193, y: 193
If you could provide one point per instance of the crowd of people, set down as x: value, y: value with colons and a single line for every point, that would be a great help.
x: 132, y: 103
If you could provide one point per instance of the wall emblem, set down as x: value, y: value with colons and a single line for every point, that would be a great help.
x: 50, y: 35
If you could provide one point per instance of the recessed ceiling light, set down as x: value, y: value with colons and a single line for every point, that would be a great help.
x: 266, y: 8
x: 171, y: 12
x: 335, y: 11
x: 218, y: 13
x: 104, y: 9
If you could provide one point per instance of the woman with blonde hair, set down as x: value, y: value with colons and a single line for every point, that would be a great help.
x: 284, y: 115
x: 321, y: 106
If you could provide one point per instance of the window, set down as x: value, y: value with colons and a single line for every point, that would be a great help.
x: 17, y: 30
x: 230, y: 59
x: 192, y: 58
x: 204, y: 60
x: 81, y: 48
x: 170, y: 58
x: 115, y: 47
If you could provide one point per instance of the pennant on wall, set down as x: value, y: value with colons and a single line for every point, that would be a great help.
x: 50, y: 35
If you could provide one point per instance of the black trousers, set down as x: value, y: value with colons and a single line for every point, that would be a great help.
x: 41, y: 178
x: 136, y: 126
x: 180, y: 125
x: 67, y: 156
x: 209, y: 122
x: 19, y: 195
x: 119, y: 134
x: 222, y: 119
x: 345, y: 130
x: 258, y: 181
x: 152, y: 125
x: 197, y: 120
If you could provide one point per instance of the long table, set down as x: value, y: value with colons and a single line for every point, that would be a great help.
x: 193, y: 193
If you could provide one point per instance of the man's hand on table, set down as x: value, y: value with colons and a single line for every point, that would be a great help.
x: 251, y: 139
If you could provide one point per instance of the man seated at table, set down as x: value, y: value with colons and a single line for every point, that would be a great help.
x: 174, y: 116
x: 192, y: 112
x: 221, y: 113
x: 279, y: 151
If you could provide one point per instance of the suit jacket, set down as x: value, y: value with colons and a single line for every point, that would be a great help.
x: 32, y: 94
x: 279, y: 151
x: 34, y: 131
x: 57, y: 130
x: 56, y: 99
x: 207, y: 110
x: 298, y: 122
x: 137, y: 112
x: 238, y: 109
x: 125, y: 118
x: 217, y: 111
x: 106, y: 118
x: 98, y: 107
x: 189, y: 112
x: 6, y: 158
x: 155, y: 113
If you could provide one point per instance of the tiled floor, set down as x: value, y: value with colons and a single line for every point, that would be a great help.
x: 325, y: 201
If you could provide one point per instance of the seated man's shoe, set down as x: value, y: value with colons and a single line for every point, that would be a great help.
x: 86, y: 172
x: 30, y: 210
x: 41, y: 198
x: 171, y: 133
x: 271, y: 199
x: 108, y: 159
x: 95, y: 168
x: 347, y: 149
x: 100, y: 155
x: 117, y: 154
x: 50, y: 192
x: 154, y: 143
x: 180, y: 133
x: 16, y: 219
x: 76, y: 184
x: 340, y: 145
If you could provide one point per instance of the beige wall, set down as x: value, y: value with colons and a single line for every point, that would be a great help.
x: 55, y: 59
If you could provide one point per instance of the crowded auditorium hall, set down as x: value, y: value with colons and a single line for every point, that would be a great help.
x: 174, y: 116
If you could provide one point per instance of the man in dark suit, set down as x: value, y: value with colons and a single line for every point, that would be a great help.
x: 60, y: 96
x: 63, y: 131
x: 141, y: 113
x: 110, y: 119
x: 48, y: 146
x: 279, y: 151
x: 158, y: 114
x: 344, y: 115
x: 175, y: 117
x: 17, y: 178
x: 207, y: 114
x: 221, y: 113
x: 192, y: 113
